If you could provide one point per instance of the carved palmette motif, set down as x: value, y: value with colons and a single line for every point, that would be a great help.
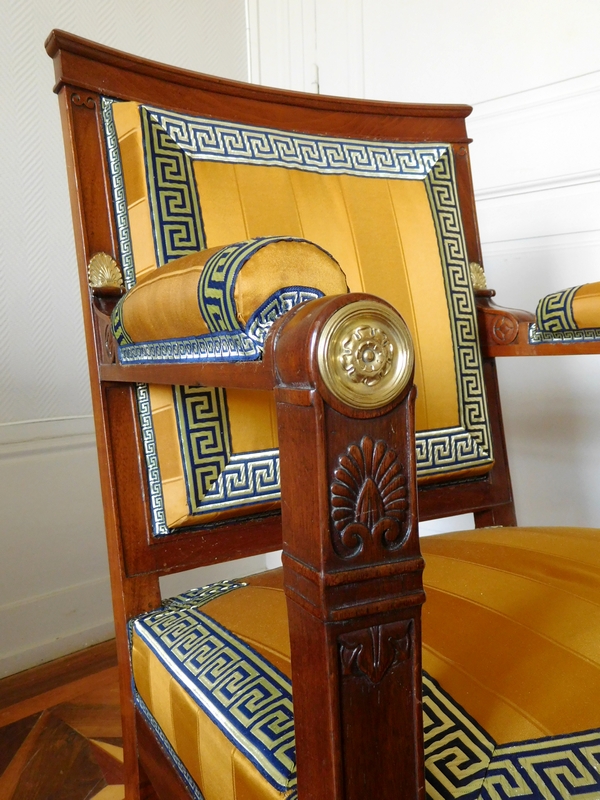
x: 368, y: 500
x: 374, y: 651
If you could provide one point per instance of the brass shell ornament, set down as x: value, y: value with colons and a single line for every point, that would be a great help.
x: 103, y: 272
x: 477, y: 276
x: 365, y: 354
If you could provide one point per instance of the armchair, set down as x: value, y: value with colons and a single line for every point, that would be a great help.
x: 245, y: 402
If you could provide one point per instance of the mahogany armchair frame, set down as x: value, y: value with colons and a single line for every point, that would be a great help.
x: 335, y: 607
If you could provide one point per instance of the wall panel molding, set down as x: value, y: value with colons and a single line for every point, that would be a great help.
x: 45, y: 435
x: 540, y: 185
x: 543, y: 139
x: 542, y: 100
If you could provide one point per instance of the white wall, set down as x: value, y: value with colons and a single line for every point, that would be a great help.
x: 532, y: 71
x: 54, y: 595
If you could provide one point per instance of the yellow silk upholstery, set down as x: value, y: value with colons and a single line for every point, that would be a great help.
x: 373, y: 227
x: 511, y: 631
x: 370, y: 225
x: 511, y: 627
x: 586, y: 306
x: 256, y: 614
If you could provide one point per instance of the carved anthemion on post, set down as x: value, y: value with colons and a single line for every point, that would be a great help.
x: 374, y: 651
x: 368, y: 500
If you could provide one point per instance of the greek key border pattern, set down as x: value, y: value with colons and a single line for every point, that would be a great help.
x: 536, y: 336
x: 196, y: 598
x: 172, y: 194
x: 555, y: 311
x: 216, y: 140
x: 471, y: 445
x: 249, y: 479
x: 276, y: 306
x: 118, y: 192
x: 155, y: 493
x: 553, y: 768
x: 204, y: 439
x: 203, y: 349
x: 241, y: 692
x: 157, y: 500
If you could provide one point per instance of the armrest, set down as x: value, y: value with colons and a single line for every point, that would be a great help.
x: 212, y: 307
x: 512, y: 332
x: 352, y: 565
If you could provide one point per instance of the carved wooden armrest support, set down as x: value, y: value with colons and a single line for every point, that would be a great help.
x: 353, y: 570
x: 506, y: 332
x: 503, y: 331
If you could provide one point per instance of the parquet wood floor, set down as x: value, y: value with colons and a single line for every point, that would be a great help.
x: 60, y: 730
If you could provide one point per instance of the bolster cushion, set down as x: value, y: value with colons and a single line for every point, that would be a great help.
x: 577, y: 308
x: 242, y: 287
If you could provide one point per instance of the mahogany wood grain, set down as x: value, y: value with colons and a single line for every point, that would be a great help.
x: 354, y: 600
x: 100, y: 69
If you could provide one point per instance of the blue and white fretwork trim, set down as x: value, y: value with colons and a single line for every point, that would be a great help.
x: 157, y: 506
x: 118, y: 193
x: 536, y: 336
x: 204, y: 438
x: 555, y: 311
x: 196, y: 598
x: 209, y: 347
x: 276, y: 306
x: 471, y: 444
x: 208, y: 140
x: 172, y: 194
x: 157, y: 501
x: 457, y: 750
x: 248, y: 479
x: 216, y: 287
x: 463, y: 761
x: 248, y: 698
x: 546, y: 769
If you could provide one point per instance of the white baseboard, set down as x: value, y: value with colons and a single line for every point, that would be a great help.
x: 48, y: 626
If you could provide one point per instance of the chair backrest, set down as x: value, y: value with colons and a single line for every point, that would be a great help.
x: 384, y: 188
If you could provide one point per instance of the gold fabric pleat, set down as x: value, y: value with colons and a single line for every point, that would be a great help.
x: 586, y: 306
x: 380, y: 231
x: 511, y: 627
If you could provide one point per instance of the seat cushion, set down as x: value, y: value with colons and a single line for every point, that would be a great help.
x: 511, y: 657
x: 212, y: 670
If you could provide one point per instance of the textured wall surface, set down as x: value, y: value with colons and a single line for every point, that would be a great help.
x: 532, y: 72
x: 41, y: 349
x: 54, y: 595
